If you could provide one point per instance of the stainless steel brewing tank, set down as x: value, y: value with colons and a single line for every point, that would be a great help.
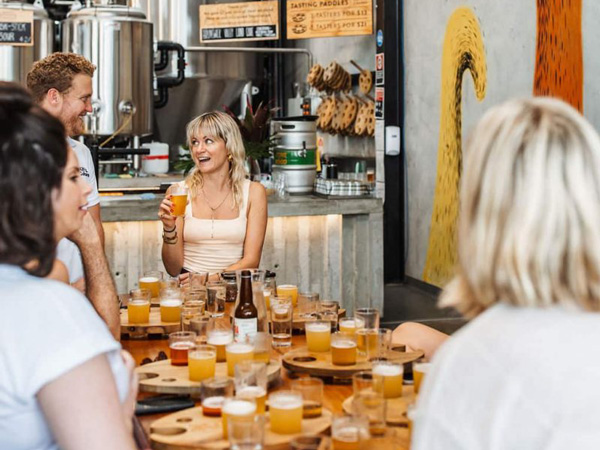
x: 16, y: 61
x: 296, y: 152
x: 118, y: 40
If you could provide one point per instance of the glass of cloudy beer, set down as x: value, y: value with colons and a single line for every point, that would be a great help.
x: 138, y: 307
x: 387, y: 378
x: 318, y: 335
x: 343, y: 349
x: 179, y: 197
x: 151, y: 281
x: 202, y: 361
x: 285, y: 412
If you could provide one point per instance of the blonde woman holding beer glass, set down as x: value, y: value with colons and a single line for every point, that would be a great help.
x: 63, y: 381
x: 524, y: 372
x: 223, y: 224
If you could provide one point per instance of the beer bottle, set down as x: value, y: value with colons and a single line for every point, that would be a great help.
x: 245, y: 316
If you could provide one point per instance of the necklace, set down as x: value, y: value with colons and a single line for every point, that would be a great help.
x: 212, y: 211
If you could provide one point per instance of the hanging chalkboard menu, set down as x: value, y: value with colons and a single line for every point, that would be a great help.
x: 232, y: 22
x: 16, y: 27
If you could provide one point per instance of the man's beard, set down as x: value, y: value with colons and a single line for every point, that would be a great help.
x: 75, y: 126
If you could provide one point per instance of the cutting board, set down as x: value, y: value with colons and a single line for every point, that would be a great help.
x: 190, y: 429
x: 154, y: 326
x: 319, y: 363
x: 164, y: 378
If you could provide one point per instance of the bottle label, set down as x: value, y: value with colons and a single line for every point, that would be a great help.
x: 245, y: 328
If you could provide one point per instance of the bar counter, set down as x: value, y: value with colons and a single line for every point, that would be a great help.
x: 330, y: 246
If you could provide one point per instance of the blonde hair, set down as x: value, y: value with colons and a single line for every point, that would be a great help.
x: 220, y: 126
x: 529, y: 228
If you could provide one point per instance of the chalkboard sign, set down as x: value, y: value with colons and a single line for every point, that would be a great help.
x: 16, y: 27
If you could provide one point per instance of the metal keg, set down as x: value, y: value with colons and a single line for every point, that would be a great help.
x: 16, y: 60
x: 296, y: 152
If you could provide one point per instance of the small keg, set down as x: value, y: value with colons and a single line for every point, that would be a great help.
x: 296, y: 152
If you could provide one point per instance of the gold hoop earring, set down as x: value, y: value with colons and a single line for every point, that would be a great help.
x: 229, y: 157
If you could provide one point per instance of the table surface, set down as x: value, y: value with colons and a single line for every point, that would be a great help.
x: 333, y: 394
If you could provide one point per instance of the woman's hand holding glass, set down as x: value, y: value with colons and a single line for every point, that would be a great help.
x: 165, y: 212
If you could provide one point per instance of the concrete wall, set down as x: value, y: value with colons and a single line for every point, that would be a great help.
x: 509, y: 30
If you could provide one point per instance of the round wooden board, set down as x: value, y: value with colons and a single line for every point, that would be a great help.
x: 155, y: 326
x: 164, y: 378
x: 319, y: 364
x: 396, y: 407
x: 190, y: 428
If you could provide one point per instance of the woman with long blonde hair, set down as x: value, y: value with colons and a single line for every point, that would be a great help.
x: 226, y: 215
x: 524, y: 372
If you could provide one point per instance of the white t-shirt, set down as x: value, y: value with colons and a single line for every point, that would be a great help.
x: 514, y: 378
x: 67, y: 252
x: 46, y: 329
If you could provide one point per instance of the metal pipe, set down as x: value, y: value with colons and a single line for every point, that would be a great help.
x: 253, y: 50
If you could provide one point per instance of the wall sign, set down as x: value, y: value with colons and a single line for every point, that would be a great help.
x: 16, y: 27
x: 328, y: 18
x: 379, y: 70
x: 249, y: 21
x: 379, y: 99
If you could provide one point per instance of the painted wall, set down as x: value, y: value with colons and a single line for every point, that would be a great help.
x: 509, y: 38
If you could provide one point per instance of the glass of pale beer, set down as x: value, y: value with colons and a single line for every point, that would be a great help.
x: 351, y: 324
x: 237, y: 352
x: 170, y: 305
x: 138, y: 307
x: 288, y: 290
x: 241, y: 409
x: 419, y: 368
x: 251, y: 382
x: 285, y: 412
x: 347, y: 432
x: 220, y: 334
x: 343, y: 349
x: 318, y: 335
x: 387, y: 378
x: 202, y: 361
x: 151, y: 281
x: 179, y: 198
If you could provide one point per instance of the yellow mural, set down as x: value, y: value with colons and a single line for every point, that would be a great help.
x: 463, y: 49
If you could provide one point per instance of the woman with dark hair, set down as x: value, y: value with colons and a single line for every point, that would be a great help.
x: 63, y: 380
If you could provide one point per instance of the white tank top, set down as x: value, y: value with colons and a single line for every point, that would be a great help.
x: 208, y: 248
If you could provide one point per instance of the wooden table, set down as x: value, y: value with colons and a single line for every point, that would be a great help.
x: 333, y: 394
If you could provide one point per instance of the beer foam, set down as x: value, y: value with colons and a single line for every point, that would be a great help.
x: 220, y: 338
x: 287, y: 287
x: 343, y: 344
x: 239, y: 407
x: 139, y: 302
x: 148, y: 280
x: 285, y: 401
x: 170, y: 302
x: 213, y: 402
x: 239, y: 347
x: 388, y: 370
x: 184, y: 345
x: 251, y: 391
x: 318, y: 327
x: 179, y: 194
x: 202, y: 354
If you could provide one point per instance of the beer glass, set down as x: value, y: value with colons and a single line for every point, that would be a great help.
x: 387, y: 378
x: 179, y: 197
x: 179, y: 344
x: 347, y: 432
x: 318, y: 336
x: 220, y: 334
x: 351, y: 324
x: 190, y: 295
x: 308, y: 303
x: 170, y: 305
x: 285, y: 412
x: 246, y: 434
x: 251, y: 382
x: 262, y: 347
x: 343, y: 349
x: 215, y: 298
x: 202, y: 361
x: 281, y: 321
x: 197, y: 281
x: 213, y: 392
x: 419, y: 368
x: 242, y: 409
x: 311, y: 390
x: 138, y: 307
x: 362, y: 381
x: 190, y: 310
x: 151, y: 281
x: 288, y: 290
x: 329, y: 311
x: 169, y: 282
x: 231, y: 288
x: 370, y: 317
x: 237, y: 352
x: 373, y: 406
x: 378, y: 343
x: 199, y: 325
